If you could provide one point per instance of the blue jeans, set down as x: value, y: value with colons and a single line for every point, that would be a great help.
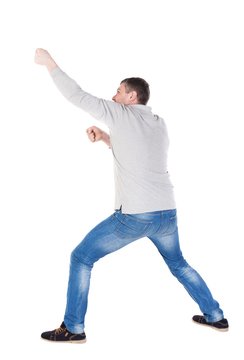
x: 117, y: 231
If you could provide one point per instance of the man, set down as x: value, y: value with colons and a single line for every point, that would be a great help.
x: 144, y: 199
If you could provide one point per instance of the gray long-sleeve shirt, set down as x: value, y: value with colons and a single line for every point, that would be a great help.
x: 139, y: 142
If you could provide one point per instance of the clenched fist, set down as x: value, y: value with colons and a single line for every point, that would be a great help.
x: 42, y: 57
x: 96, y: 134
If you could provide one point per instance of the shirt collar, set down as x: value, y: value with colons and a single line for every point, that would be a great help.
x: 142, y: 107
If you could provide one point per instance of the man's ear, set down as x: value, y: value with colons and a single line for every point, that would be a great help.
x: 133, y: 97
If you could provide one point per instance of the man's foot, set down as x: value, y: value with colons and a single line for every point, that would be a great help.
x: 64, y: 335
x: 221, y: 325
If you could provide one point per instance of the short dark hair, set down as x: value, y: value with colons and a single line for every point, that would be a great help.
x: 140, y: 86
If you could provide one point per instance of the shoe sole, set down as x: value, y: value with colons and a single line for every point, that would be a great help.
x: 211, y: 326
x: 68, y: 341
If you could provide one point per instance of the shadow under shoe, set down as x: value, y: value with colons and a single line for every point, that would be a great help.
x: 62, y: 334
x: 221, y: 325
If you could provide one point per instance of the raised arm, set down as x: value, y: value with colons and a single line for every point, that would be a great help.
x: 96, y: 134
x: 100, y: 109
x: 42, y: 57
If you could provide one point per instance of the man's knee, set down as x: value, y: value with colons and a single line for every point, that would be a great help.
x: 80, y: 258
x: 179, y: 267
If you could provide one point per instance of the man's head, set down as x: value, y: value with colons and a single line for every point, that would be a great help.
x: 132, y: 91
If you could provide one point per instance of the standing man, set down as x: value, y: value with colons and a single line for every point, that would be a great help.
x: 144, y: 198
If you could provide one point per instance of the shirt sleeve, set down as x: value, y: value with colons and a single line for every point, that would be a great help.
x: 103, y: 110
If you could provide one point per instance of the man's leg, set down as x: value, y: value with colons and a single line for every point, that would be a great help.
x: 112, y: 234
x: 167, y: 242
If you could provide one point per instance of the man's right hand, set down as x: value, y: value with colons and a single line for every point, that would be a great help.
x: 95, y: 134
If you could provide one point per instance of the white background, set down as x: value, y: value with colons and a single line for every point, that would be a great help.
x: 56, y: 185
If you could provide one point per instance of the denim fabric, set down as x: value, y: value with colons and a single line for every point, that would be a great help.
x: 117, y: 231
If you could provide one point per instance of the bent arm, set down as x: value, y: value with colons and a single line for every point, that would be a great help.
x: 106, y: 139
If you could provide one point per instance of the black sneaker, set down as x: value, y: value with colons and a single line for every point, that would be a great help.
x: 221, y: 325
x: 64, y: 335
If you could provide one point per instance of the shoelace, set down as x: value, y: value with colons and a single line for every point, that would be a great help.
x: 59, y: 330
